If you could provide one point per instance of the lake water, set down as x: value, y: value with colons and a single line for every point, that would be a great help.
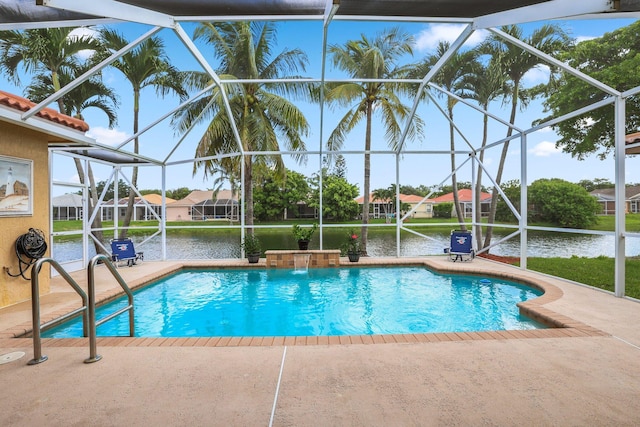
x: 197, y: 245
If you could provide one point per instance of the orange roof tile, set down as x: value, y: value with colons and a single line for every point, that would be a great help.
x: 23, y: 104
x: 464, y: 195
x: 156, y: 199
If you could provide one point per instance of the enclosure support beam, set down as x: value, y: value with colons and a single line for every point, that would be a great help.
x: 86, y: 223
x: 475, y: 214
x: 620, y: 196
x: 163, y: 220
x: 539, y: 12
x: 523, y: 201
x: 116, y: 201
x: 398, y: 219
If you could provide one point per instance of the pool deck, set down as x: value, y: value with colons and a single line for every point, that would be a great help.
x: 586, y: 373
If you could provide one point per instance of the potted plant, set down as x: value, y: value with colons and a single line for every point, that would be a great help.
x: 352, y: 247
x: 252, y: 248
x: 303, y: 235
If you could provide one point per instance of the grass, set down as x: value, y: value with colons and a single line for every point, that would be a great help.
x: 597, y: 272
x: 605, y: 223
x: 64, y: 226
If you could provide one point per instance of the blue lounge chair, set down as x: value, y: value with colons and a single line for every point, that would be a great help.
x: 461, y: 246
x: 123, y: 250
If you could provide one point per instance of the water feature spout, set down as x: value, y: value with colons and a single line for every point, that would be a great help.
x: 301, y: 262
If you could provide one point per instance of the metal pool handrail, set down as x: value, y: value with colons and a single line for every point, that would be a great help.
x: 93, y: 356
x: 38, y: 357
x: 88, y: 308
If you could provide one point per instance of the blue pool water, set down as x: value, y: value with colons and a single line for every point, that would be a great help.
x: 331, y: 301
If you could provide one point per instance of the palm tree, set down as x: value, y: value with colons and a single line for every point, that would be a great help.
x: 223, y: 170
x: 50, y: 51
x: 42, y: 50
x: 485, y: 83
x: 387, y: 197
x: 146, y: 65
x: 516, y: 63
x: 452, y: 77
x: 93, y: 93
x: 261, y: 115
x: 372, y: 59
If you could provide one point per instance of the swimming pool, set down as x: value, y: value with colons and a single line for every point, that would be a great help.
x: 331, y: 301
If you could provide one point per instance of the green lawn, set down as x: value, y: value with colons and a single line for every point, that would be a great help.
x: 605, y: 223
x: 597, y: 272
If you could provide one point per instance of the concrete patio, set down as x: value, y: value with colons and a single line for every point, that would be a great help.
x: 549, y: 380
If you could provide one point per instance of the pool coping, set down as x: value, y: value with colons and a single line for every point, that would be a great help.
x: 560, y: 326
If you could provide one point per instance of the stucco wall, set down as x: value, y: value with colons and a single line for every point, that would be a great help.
x: 178, y: 213
x: 24, y: 144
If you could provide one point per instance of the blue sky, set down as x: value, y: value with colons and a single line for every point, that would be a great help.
x: 544, y: 160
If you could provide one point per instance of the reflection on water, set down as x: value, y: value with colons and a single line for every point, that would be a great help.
x: 198, y: 245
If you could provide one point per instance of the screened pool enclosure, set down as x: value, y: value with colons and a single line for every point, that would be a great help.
x: 402, y: 157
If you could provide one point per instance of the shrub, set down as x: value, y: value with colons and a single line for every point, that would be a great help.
x: 442, y: 210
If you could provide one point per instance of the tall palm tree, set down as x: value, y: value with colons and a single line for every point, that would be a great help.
x: 262, y: 116
x: 372, y: 59
x: 50, y: 51
x: 452, y: 77
x: 485, y: 83
x: 515, y: 63
x: 146, y: 65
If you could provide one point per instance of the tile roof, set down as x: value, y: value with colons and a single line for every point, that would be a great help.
x: 156, y: 199
x: 464, y: 195
x: 65, y: 200
x: 200, y: 196
x: 23, y: 104
x: 152, y: 199
x: 631, y: 192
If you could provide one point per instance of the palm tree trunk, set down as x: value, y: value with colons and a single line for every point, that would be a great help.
x: 503, y: 158
x: 128, y: 216
x: 454, y: 180
x: 367, y: 183
x: 478, y: 189
x: 93, y: 192
x: 126, y: 222
x: 248, y: 193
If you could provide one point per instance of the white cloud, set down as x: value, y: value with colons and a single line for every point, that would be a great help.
x: 83, y: 31
x: 581, y: 39
x: 544, y: 149
x: 80, y: 32
x: 107, y: 136
x: 428, y: 38
x: 537, y: 75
